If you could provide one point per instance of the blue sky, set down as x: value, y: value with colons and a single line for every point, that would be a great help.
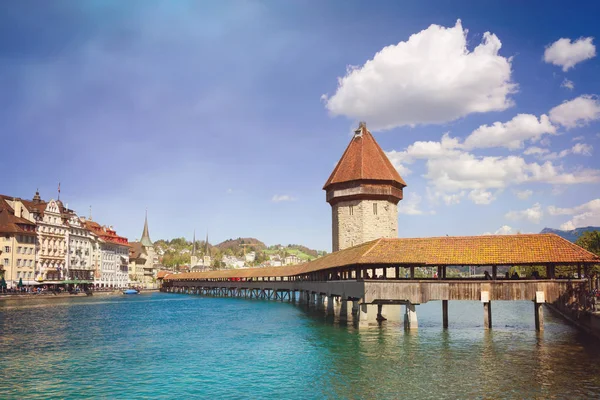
x: 228, y: 116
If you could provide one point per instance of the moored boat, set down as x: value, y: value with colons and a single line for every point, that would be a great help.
x: 130, y: 291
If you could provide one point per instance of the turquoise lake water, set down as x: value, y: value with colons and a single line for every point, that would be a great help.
x: 182, y: 346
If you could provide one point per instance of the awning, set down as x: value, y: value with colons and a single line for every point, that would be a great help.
x: 76, y: 281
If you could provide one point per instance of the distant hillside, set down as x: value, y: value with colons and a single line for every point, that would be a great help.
x: 573, y: 235
x: 236, y: 245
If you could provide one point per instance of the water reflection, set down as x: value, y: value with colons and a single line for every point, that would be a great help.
x: 165, y: 346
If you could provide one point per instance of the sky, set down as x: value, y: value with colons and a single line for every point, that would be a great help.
x: 227, y: 117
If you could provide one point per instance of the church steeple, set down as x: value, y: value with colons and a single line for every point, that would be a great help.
x: 145, y: 235
x: 194, y: 244
x: 206, y: 251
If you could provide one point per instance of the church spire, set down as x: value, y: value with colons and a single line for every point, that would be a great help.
x: 206, y: 252
x: 194, y: 244
x: 145, y: 235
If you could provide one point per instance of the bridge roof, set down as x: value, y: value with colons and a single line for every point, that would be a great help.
x: 527, y: 249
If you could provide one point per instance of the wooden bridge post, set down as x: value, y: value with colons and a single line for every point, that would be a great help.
x: 445, y: 314
x: 344, y: 308
x: 410, y: 317
x: 538, y: 304
x: 330, y: 301
x: 487, y: 310
x: 320, y: 302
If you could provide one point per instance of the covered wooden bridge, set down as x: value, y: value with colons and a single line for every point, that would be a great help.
x: 378, y: 277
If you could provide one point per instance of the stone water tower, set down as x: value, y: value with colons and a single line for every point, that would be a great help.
x: 363, y: 190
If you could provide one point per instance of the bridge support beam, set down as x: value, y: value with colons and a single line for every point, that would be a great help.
x: 320, y: 302
x: 445, y: 314
x: 538, y: 304
x: 367, y: 314
x: 344, y: 309
x: 390, y: 312
x: 330, y: 304
x: 410, y: 317
x: 487, y: 315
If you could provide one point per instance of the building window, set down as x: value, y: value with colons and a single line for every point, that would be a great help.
x: 6, y: 262
x: 7, y: 249
x: 351, y: 211
x: 375, y: 208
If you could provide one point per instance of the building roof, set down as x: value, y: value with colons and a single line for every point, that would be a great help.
x: 137, y: 251
x: 145, y: 240
x: 163, y: 274
x: 364, y: 160
x: 106, y: 234
x: 528, y: 249
x: 10, y: 223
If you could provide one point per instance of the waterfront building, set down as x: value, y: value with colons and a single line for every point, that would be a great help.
x: 113, y: 258
x: 363, y: 190
x: 84, y: 250
x: 144, y: 262
x: 52, y: 232
x: 292, y: 259
x: 17, y: 244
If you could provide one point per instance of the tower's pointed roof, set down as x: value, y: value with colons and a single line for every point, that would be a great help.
x: 364, y: 160
x: 206, y: 249
x: 145, y: 235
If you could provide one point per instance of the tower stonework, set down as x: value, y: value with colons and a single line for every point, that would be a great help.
x: 363, y: 190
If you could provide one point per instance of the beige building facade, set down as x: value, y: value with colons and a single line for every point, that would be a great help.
x: 17, y: 245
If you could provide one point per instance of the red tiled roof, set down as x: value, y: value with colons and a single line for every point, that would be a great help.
x: 10, y: 223
x: 530, y: 249
x: 364, y: 160
x: 163, y: 274
x: 106, y: 234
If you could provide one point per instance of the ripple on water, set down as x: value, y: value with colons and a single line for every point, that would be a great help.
x: 167, y: 345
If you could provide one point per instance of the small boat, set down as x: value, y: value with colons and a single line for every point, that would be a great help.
x: 130, y: 291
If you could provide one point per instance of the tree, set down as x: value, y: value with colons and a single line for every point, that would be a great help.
x: 590, y: 241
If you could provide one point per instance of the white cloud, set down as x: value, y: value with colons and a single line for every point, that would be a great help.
x: 587, y: 214
x: 503, y: 230
x: 435, y: 196
x: 450, y: 171
x: 567, y: 84
x: 535, y: 151
x: 283, y: 197
x: 410, y: 205
x: 480, y: 196
x: 545, y: 141
x: 524, y: 194
x: 577, y: 112
x: 583, y: 149
x: 578, y: 138
x: 430, y: 78
x: 533, y: 214
x: 423, y: 151
x: 578, y: 148
x: 511, y: 134
x: 566, y: 54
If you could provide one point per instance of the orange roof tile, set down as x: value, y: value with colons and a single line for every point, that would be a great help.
x: 364, y: 160
x: 529, y: 249
x: 162, y: 274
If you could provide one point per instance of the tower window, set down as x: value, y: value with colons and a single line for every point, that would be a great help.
x: 375, y: 208
x: 351, y: 208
